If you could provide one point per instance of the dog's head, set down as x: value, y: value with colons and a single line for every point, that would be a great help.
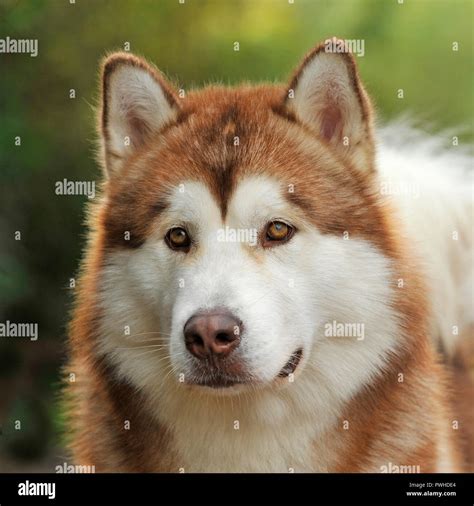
x: 240, y: 226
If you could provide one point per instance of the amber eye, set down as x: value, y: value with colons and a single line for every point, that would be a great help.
x: 178, y: 239
x: 277, y: 232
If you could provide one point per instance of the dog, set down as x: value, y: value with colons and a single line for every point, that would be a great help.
x: 271, y: 284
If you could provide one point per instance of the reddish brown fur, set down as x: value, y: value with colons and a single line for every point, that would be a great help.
x: 332, y: 195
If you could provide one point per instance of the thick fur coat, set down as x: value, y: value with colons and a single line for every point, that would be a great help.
x: 380, y: 238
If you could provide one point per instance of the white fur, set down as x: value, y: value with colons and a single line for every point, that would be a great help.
x: 324, y: 81
x: 438, y: 204
x: 283, y: 298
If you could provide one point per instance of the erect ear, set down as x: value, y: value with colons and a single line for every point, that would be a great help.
x: 327, y: 96
x: 136, y: 104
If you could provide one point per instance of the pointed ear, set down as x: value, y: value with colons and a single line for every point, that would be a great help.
x: 327, y: 96
x: 136, y: 104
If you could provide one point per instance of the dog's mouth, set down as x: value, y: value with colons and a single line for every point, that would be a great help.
x: 292, y: 364
x: 217, y: 375
x: 218, y: 380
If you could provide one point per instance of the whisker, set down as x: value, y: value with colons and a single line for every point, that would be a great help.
x: 165, y: 340
x: 165, y: 334
x: 131, y: 347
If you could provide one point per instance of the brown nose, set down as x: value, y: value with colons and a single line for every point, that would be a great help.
x: 214, y: 333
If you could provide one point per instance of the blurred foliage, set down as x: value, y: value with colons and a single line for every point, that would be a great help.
x: 407, y: 45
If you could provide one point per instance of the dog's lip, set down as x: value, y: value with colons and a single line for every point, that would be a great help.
x: 292, y: 364
x: 220, y: 381
x: 220, y: 374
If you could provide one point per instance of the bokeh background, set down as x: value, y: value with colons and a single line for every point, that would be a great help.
x: 408, y: 45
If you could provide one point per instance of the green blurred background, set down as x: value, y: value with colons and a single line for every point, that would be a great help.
x: 407, y: 45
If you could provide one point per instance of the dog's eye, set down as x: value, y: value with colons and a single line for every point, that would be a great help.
x: 277, y: 232
x: 178, y: 239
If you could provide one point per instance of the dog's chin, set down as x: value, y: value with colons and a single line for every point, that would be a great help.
x: 221, y: 384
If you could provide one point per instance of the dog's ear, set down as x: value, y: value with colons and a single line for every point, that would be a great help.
x: 327, y: 96
x: 137, y: 103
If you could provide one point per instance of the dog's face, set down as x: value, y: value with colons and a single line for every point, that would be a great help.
x: 237, y: 223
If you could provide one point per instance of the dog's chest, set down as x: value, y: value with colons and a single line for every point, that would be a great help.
x: 258, y: 448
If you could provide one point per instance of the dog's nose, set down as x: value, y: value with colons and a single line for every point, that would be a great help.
x: 214, y: 333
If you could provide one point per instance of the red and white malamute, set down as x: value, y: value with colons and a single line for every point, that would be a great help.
x: 269, y: 281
